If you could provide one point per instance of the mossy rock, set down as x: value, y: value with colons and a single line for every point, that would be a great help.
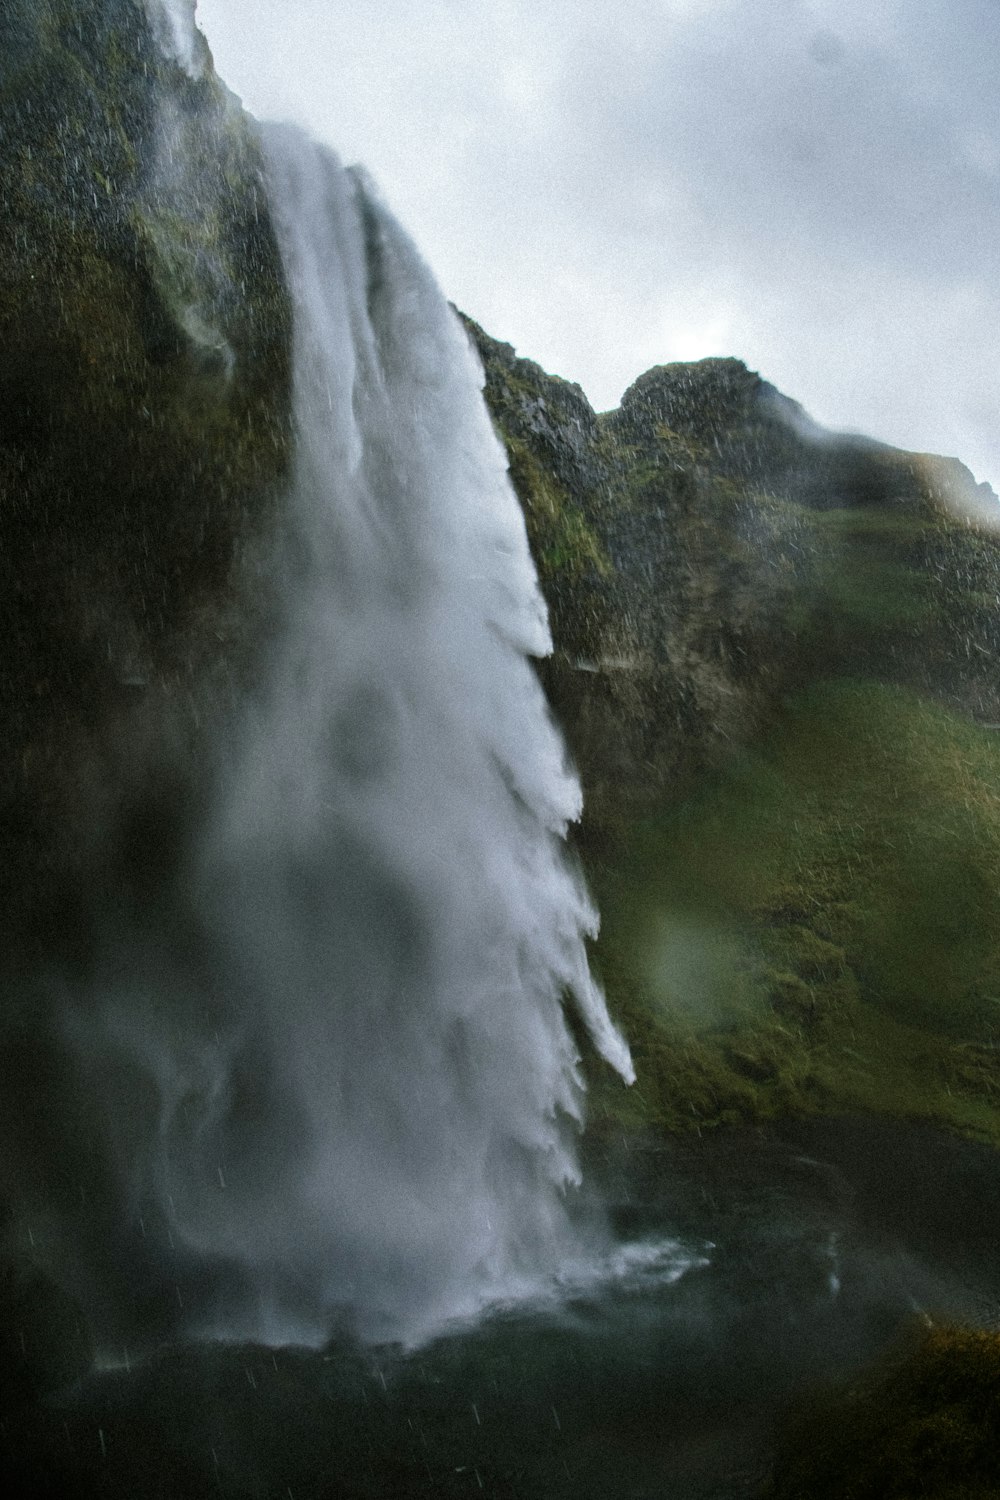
x: 707, y: 550
x: 560, y: 537
x: 145, y: 384
x: 927, y: 1423
x: 775, y: 661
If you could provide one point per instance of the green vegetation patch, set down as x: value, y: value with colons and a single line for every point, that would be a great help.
x: 561, y: 540
x: 927, y: 1424
x: 818, y: 927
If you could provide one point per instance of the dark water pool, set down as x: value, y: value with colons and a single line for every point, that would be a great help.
x: 756, y: 1265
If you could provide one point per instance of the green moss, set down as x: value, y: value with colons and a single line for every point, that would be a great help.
x: 561, y: 540
x: 798, y: 884
x: 818, y: 928
x: 144, y: 380
x: 926, y: 1424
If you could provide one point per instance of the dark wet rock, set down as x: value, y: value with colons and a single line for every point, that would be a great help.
x: 143, y: 439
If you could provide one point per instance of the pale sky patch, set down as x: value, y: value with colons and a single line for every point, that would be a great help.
x: 808, y: 185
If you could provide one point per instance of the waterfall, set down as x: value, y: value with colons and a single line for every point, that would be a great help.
x: 173, y: 25
x: 366, y: 1116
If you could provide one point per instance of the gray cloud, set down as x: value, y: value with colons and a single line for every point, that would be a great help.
x: 806, y: 185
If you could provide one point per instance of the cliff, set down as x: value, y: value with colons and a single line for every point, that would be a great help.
x: 143, y: 390
x: 776, y: 665
x: 706, y: 548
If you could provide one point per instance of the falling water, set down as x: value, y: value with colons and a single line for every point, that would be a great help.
x: 376, y: 1123
x: 173, y: 25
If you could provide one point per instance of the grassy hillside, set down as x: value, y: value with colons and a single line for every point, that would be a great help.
x: 818, y: 926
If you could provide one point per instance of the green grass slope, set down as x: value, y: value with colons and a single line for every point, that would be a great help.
x: 817, y: 927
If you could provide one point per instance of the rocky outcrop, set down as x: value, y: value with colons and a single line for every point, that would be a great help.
x: 144, y: 419
x: 143, y: 436
x: 706, y: 548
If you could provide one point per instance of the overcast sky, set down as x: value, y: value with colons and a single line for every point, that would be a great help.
x: 811, y: 185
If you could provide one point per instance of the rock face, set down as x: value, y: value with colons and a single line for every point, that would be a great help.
x: 143, y: 390
x: 706, y: 548
x: 144, y: 369
x: 775, y: 662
